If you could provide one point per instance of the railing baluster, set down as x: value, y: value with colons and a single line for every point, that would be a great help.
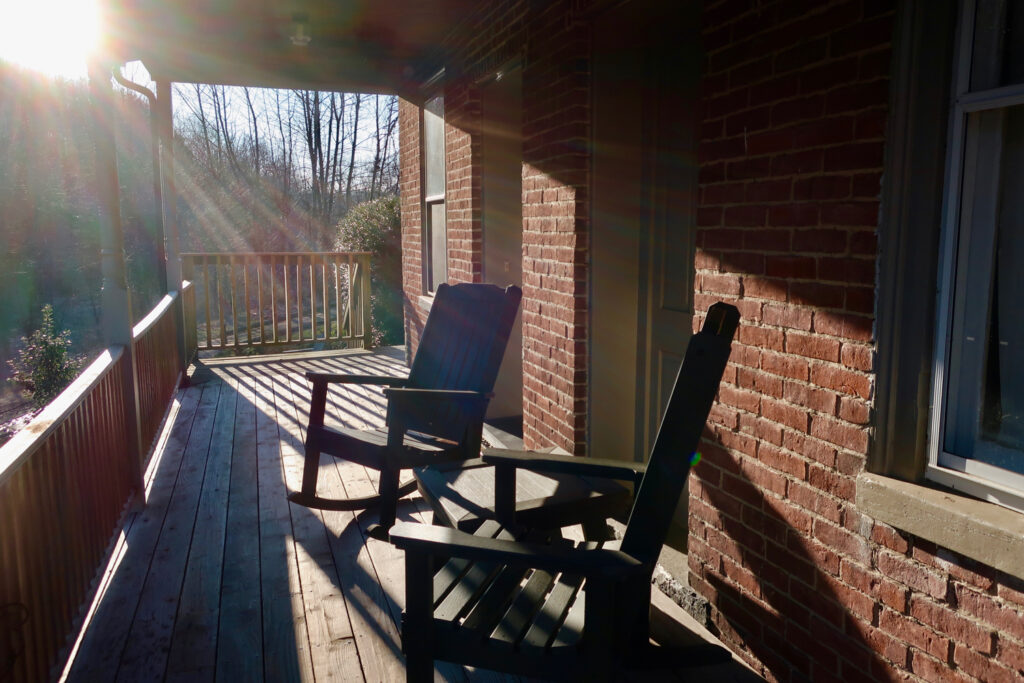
x: 349, y: 329
x: 323, y: 297
x: 222, y: 335
x: 273, y: 295
x: 206, y: 287
x: 364, y: 298
x: 286, y: 280
x: 245, y: 300
x: 312, y: 298
x: 259, y: 299
x: 341, y: 307
x: 298, y: 294
x: 337, y: 295
x: 234, y: 307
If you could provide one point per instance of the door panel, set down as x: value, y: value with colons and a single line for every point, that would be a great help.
x: 643, y: 217
x: 619, y: 223
x: 671, y: 148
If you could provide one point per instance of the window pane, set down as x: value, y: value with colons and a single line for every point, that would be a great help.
x: 437, y: 244
x: 998, y: 44
x: 433, y: 147
x: 985, y: 412
x: 1002, y: 418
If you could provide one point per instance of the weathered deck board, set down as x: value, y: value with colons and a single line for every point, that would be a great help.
x: 145, y: 654
x: 333, y: 648
x: 240, y: 630
x: 221, y: 578
x: 193, y: 645
x: 99, y: 654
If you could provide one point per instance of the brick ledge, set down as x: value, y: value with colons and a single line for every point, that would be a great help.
x: 982, y: 531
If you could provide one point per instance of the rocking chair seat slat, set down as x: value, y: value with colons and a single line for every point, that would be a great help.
x: 521, y: 612
x: 492, y: 603
x: 463, y: 596
x: 572, y: 627
x: 549, y: 618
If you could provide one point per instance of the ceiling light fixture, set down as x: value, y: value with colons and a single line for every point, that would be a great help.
x: 300, y: 30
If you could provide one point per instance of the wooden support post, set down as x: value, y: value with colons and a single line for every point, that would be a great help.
x: 117, y: 318
x: 169, y: 211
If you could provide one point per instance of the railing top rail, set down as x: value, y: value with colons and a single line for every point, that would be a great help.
x: 154, y: 316
x: 24, y: 444
x: 261, y: 254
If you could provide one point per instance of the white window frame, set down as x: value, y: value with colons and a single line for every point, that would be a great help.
x: 971, y: 476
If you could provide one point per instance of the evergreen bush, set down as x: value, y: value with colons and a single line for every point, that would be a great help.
x: 45, y: 366
x: 375, y: 226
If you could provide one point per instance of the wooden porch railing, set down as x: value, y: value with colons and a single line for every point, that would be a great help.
x: 65, y: 482
x: 277, y: 299
x: 157, y: 366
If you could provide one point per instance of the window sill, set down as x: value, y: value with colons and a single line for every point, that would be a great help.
x: 985, y: 532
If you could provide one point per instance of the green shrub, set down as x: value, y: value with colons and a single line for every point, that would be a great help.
x: 44, y: 366
x: 375, y: 226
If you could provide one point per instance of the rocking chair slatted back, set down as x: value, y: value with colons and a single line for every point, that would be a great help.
x: 679, y: 434
x: 462, y: 346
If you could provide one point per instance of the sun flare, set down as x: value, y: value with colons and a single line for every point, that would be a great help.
x: 51, y: 36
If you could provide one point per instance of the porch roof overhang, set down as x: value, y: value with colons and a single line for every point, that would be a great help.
x: 379, y: 46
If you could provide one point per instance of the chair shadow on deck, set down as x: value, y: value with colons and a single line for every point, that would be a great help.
x: 356, y: 566
x: 204, y: 581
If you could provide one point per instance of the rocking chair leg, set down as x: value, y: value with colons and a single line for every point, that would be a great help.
x: 417, y: 633
x: 388, y: 497
x: 310, y: 471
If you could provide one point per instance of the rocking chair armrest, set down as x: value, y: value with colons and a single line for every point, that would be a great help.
x: 447, y: 542
x: 605, y: 468
x: 333, y: 378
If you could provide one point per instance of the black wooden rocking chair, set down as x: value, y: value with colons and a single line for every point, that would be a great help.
x: 434, y: 415
x: 554, y: 610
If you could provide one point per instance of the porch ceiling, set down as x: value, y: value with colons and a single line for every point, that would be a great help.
x: 385, y: 46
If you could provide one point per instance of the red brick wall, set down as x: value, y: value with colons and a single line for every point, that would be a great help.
x: 802, y: 584
x: 555, y: 178
x: 556, y: 117
x: 410, y: 200
x: 462, y: 183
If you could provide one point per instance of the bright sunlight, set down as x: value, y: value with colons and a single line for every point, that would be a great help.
x: 51, y: 36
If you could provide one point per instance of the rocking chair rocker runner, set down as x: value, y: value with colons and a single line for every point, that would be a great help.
x: 435, y: 415
x: 553, y: 610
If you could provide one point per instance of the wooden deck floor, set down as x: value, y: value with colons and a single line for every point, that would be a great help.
x: 219, y: 577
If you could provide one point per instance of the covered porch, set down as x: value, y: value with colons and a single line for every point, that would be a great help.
x: 219, y: 577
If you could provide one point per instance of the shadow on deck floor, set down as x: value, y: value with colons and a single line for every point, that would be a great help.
x: 220, y: 577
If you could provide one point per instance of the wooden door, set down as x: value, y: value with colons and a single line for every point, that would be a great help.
x: 642, y: 242
x: 671, y: 169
